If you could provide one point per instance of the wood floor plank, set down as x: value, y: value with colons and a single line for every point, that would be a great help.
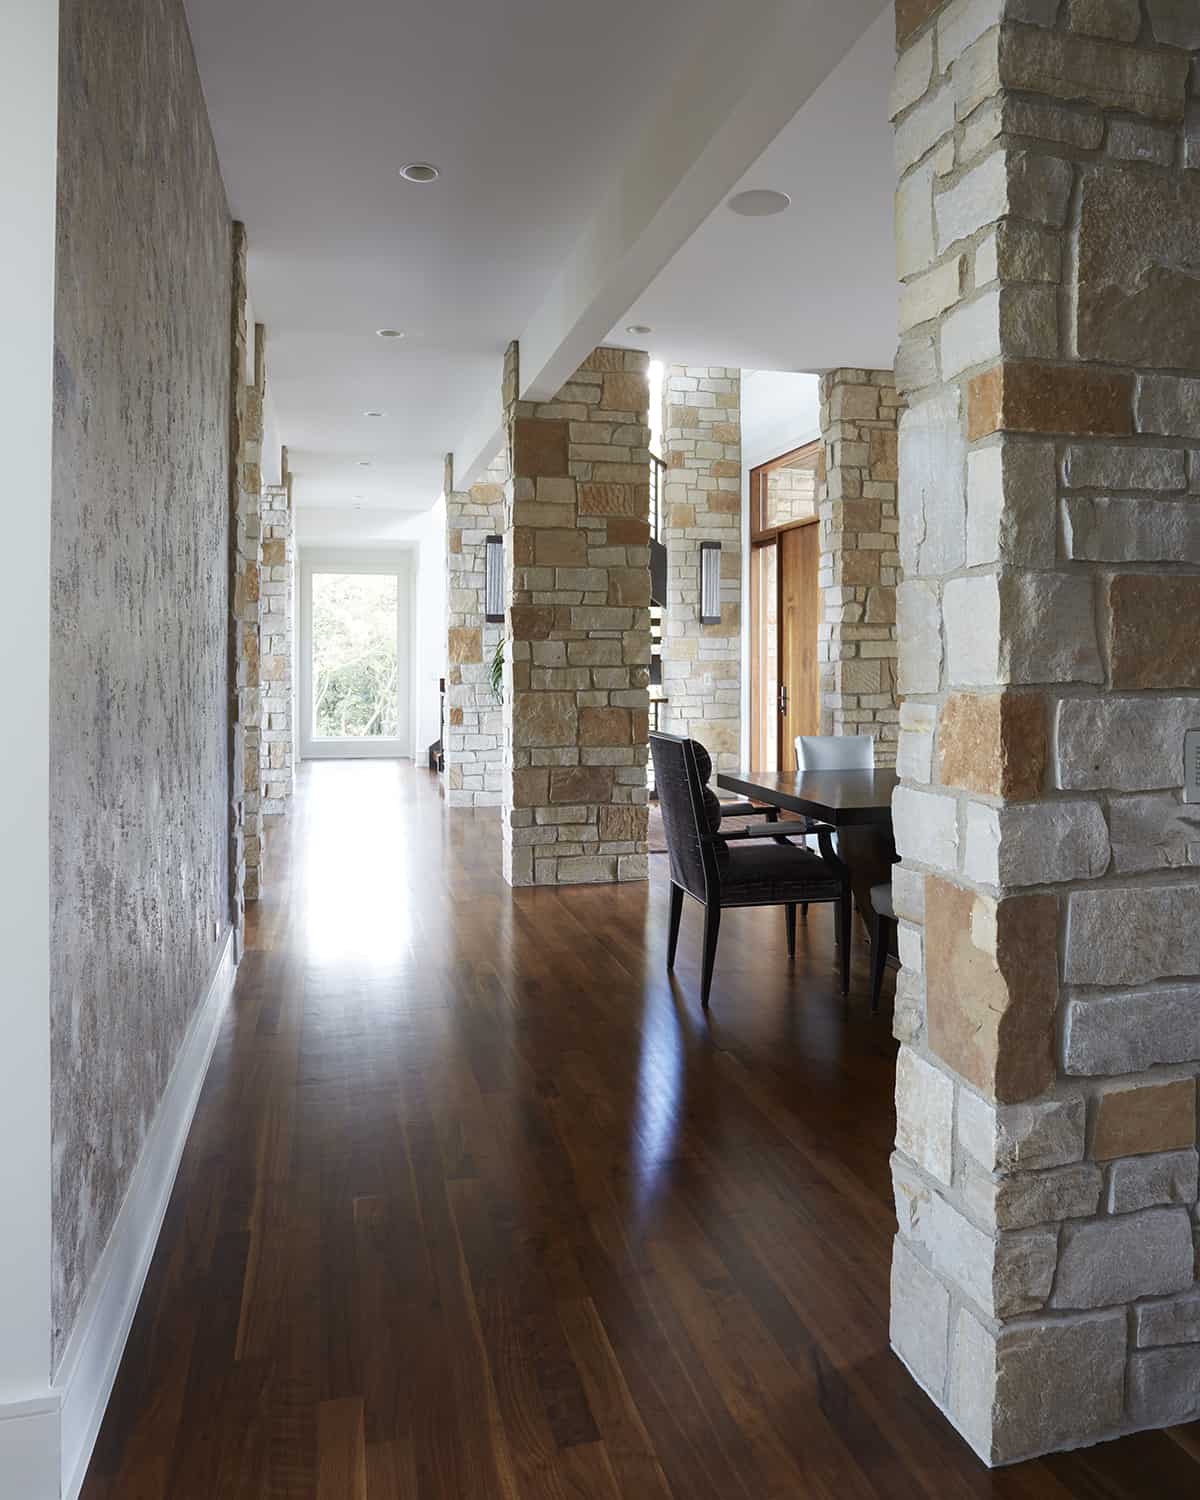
x: 341, y: 1450
x: 479, y: 1204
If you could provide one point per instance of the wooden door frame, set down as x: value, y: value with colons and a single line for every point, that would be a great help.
x: 765, y: 536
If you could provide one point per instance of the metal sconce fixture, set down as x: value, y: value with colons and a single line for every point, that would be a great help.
x: 493, y: 595
x: 710, y: 583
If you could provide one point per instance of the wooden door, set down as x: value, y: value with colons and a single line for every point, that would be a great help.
x: 799, y: 616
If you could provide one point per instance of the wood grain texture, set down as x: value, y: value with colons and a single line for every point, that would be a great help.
x: 478, y: 1205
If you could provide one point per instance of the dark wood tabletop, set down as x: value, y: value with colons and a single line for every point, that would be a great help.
x: 847, y: 799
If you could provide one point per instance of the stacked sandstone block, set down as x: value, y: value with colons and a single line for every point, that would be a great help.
x: 860, y: 565
x: 576, y: 702
x: 1044, y: 1288
x: 249, y: 543
x: 791, y: 495
x: 473, y: 734
x: 245, y: 715
x: 276, y: 626
x: 702, y: 439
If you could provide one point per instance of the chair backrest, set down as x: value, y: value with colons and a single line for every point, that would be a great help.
x: 835, y: 752
x: 681, y: 799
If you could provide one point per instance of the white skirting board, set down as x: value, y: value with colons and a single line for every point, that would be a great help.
x: 29, y: 1449
x: 85, y: 1377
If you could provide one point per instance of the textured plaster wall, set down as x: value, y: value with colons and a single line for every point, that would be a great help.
x: 139, y: 903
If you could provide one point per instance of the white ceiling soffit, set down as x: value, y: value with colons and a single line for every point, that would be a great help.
x: 815, y: 286
x: 759, y: 63
x: 528, y: 107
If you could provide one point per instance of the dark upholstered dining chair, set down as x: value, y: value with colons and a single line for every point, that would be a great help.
x: 746, y: 867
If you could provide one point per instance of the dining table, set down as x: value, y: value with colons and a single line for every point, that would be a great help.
x: 856, y: 805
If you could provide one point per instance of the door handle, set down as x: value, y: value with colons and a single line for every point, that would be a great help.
x: 783, y: 699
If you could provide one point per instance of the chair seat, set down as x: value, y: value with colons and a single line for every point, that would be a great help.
x: 881, y: 900
x: 767, y: 874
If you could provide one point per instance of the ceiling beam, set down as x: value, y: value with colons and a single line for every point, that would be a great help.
x: 746, y: 77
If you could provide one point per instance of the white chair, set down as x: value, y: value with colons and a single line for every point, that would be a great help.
x: 835, y: 752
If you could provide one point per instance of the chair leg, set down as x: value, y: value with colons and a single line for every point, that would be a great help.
x: 845, y: 919
x: 791, y: 929
x: 881, y: 932
x: 673, y: 931
x: 712, y: 926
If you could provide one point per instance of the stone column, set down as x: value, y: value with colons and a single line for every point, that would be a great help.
x: 702, y: 439
x: 244, y: 536
x: 859, y: 562
x: 578, y: 640
x: 248, y: 542
x: 276, y: 629
x: 1044, y: 1284
x: 474, y: 728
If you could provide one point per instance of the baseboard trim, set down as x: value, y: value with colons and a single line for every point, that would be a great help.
x: 89, y: 1365
x: 29, y: 1448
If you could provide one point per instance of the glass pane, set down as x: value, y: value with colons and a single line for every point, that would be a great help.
x: 766, y: 625
x: 791, y: 494
x: 355, y: 659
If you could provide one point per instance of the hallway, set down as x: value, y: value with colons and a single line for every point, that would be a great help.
x: 477, y: 1204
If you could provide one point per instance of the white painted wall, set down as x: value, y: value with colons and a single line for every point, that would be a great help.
x: 29, y: 128
x: 780, y: 411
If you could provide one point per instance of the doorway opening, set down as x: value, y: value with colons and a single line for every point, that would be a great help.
x: 356, y: 634
x: 785, y: 605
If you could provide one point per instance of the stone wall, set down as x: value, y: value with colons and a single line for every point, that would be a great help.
x: 248, y: 594
x: 792, y: 495
x: 473, y: 733
x: 1044, y: 1289
x: 578, y: 640
x: 859, y: 562
x: 139, y: 837
x: 702, y: 442
x: 276, y: 630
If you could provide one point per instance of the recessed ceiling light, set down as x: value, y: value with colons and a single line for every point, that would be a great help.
x: 389, y: 333
x: 757, y: 203
x: 420, y: 171
x: 372, y: 414
x: 364, y: 463
x: 638, y: 328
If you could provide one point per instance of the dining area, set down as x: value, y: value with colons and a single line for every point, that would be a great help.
x: 818, y: 835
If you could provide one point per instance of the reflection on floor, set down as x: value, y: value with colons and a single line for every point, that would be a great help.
x: 478, y: 1203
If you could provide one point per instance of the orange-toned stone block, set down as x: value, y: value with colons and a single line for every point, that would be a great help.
x: 608, y: 727
x: 1152, y: 630
x: 1145, y: 1118
x: 540, y: 448
x: 624, y: 392
x: 464, y: 643
x: 529, y: 786
x: 532, y: 622
x: 991, y: 981
x: 614, y: 499
x: 994, y: 743
x: 1019, y: 396
x: 623, y: 824
x: 580, y: 785
x: 627, y: 531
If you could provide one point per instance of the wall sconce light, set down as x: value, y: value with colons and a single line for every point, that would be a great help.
x: 493, y: 589
x: 710, y: 583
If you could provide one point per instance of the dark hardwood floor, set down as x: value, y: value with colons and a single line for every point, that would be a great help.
x: 478, y: 1204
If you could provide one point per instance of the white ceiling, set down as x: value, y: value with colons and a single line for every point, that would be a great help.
x: 315, y: 107
x: 815, y: 286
